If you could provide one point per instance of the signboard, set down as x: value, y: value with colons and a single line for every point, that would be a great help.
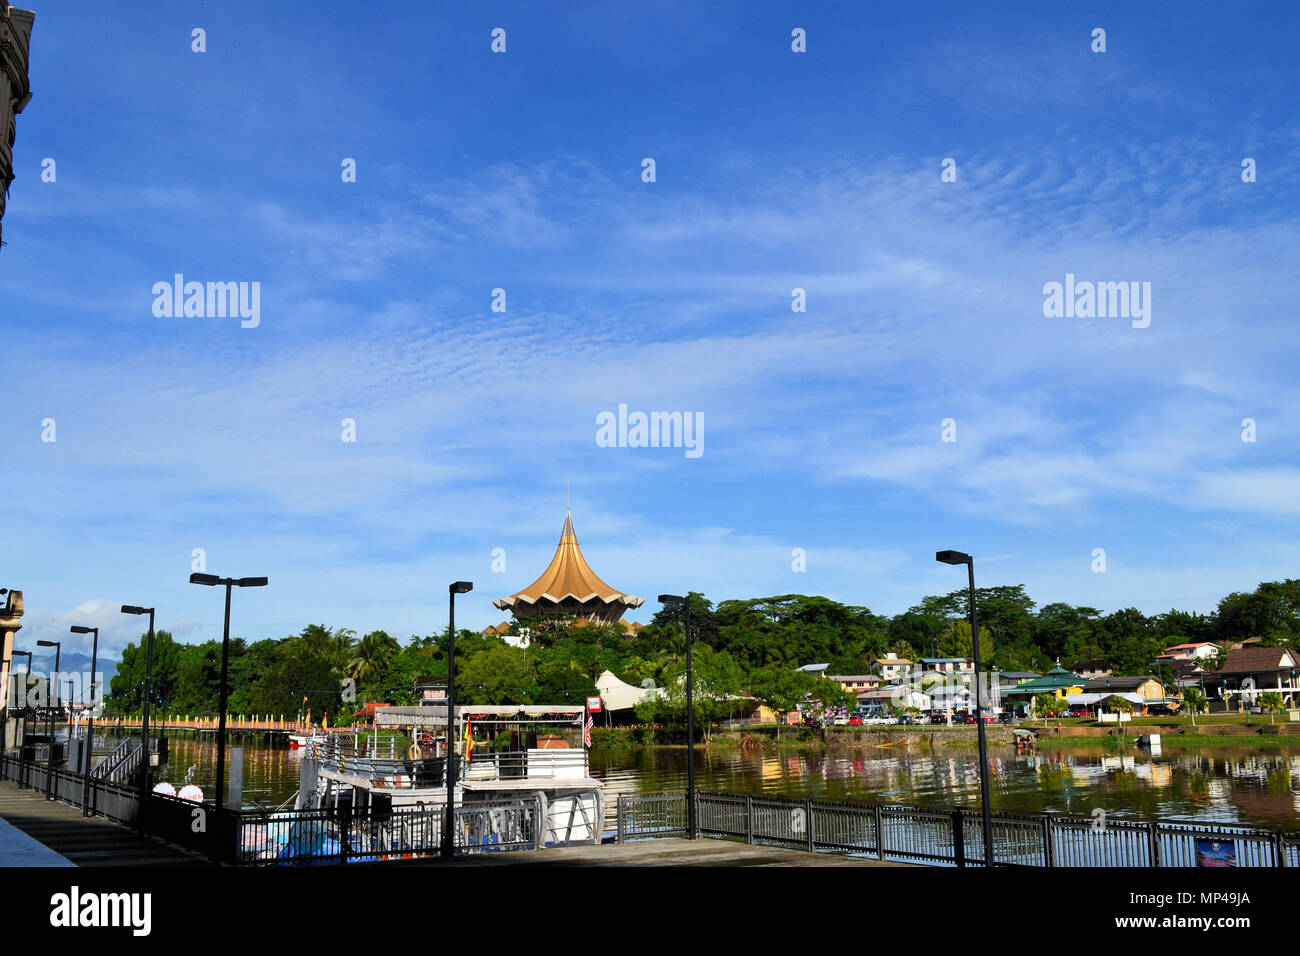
x: 593, y: 705
x: 1216, y: 853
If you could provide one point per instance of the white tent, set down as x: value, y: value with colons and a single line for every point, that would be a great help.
x: 620, y: 695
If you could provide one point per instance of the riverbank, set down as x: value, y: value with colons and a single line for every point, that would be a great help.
x: 1174, y: 733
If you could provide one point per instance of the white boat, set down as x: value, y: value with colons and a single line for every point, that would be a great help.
x: 525, y: 767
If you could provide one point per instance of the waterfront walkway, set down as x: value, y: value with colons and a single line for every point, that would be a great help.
x: 662, y: 852
x: 39, y: 832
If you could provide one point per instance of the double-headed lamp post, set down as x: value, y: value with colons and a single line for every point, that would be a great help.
x: 449, y: 824
x: 49, y: 763
x: 690, y: 712
x: 211, y: 580
x: 148, y: 692
x: 89, y: 755
x: 957, y: 557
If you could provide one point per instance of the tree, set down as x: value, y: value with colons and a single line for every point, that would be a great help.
x: 371, y: 657
x: 1045, y: 705
x: 717, y: 681
x: 1119, y: 705
x: 126, y: 688
x: 957, y: 642
x: 498, y: 675
x: 831, y: 694
x: 780, y: 688
x: 1194, y: 702
x: 1271, y: 703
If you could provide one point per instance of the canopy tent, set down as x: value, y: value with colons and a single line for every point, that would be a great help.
x: 620, y: 695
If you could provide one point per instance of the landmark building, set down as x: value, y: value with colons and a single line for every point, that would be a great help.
x: 15, y: 35
x: 569, y: 588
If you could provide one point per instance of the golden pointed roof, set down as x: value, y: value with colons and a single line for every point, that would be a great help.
x: 567, y: 577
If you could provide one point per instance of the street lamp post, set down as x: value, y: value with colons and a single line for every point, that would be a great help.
x: 23, y: 743
x: 690, y: 712
x: 211, y: 580
x: 957, y: 557
x: 89, y: 755
x: 144, y: 720
x: 49, y: 763
x: 449, y: 824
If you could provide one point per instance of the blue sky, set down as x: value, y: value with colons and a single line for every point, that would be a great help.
x: 775, y: 170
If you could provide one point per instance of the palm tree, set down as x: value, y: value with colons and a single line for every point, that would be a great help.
x: 1120, y: 705
x: 1272, y: 702
x: 369, y: 658
x: 1194, y: 702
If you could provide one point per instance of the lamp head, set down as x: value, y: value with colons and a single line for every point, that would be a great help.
x: 671, y: 599
x: 47, y: 643
x: 78, y: 629
x: 132, y: 609
x: 209, y: 579
x: 250, y: 582
x: 952, y: 557
x: 460, y: 587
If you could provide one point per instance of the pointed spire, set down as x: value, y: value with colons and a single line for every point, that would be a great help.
x: 568, y: 585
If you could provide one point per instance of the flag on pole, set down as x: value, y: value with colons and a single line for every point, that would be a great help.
x: 586, y: 734
x: 469, y: 738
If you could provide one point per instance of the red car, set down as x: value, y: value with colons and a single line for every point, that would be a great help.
x: 855, y: 721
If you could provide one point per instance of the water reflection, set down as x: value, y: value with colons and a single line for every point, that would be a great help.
x: 1223, y: 785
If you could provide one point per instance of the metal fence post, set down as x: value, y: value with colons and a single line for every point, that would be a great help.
x: 1279, y: 848
x: 1048, y: 854
x: 539, y: 829
x: 1153, y: 835
x: 621, y: 804
x: 958, y: 839
x: 749, y: 819
x: 880, y: 832
x: 812, y: 837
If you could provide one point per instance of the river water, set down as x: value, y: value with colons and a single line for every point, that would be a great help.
x: 1228, y: 783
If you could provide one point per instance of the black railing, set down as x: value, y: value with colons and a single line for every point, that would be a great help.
x: 954, y: 835
x: 117, y: 803
x: 290, y: 837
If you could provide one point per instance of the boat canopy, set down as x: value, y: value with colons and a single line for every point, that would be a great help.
x: 433, y: 715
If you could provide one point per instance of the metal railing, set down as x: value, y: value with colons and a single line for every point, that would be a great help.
x: 951, y: 835
x: 286, y: 837
x: 120, y: 762
x: 117, y: 803
x: 337, y: 836
x: 383, y: 771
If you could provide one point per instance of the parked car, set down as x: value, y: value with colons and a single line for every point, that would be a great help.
x: 908, y: 720
x: 1007, y: 717
x: 841, y: 721
x: 855, y: 721
x: 938, y: 717
x: 968, y: 718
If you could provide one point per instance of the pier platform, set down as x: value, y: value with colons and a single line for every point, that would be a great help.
x: 660, y: 852
x: 39, y: 832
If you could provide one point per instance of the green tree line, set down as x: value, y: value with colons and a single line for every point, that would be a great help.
x: 743, y: 647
